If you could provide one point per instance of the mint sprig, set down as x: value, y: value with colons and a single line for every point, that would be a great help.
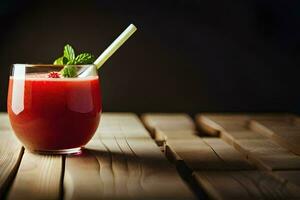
x: 69, y: 58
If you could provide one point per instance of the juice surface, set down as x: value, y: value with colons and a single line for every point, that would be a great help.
x: 54, y: 114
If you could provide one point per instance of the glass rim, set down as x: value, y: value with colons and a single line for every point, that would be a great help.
x: 49, y: 65
x: 23, y: 70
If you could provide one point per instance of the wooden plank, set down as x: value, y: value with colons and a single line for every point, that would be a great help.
x: 213, y: 123
x: 121, y: 125
x: 194, y: 154
x: 257, y: 147
x: 232, y: 137
x: 296, y: 121
x: 82, y: 181
x: 220, y: 185
x: 170, y: 126
x: 206, y: 154
x: 228, y: 154
x: 159, y: 175
x: 166, y: 135
x: 175, y: 121
x: 38, y: 177
x: 268, y: 155
x: 262, y: 151
x: 10, y: 155
x: 227, y: 117
x: 292, y: 176
x: 284, y: 133
x: 4, y: 121
x: 123, y: 169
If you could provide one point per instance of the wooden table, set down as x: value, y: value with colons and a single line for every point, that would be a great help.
x: 215, y: 156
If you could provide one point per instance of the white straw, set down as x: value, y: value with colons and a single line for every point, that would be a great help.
x: 115, y: 45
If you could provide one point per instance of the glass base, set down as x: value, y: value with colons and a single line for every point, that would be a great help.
x: 73, y: 151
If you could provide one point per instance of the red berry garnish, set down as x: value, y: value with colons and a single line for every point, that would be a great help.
x: 53, y: 75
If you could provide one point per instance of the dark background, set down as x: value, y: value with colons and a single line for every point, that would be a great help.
x: 187, y: 56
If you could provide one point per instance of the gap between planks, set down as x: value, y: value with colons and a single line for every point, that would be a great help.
x: 11, y: 152
x: 38, y: 177
x: 10, y: 157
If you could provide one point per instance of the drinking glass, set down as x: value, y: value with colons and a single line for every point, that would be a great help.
x: 53, y: 115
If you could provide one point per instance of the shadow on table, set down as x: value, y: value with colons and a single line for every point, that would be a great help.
x: 134, y: 170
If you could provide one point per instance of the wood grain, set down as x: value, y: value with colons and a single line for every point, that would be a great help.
x: 284, y: 133
x: 38, y: 177
x: 221, y: 185
x: 170, y: 126
x: 121, y: 125
x: 207, y: 154
x: 232, y: 158
x: 123, y: 169
x: 81, y: 180
x: 158, y: 175
x: 10, y: 155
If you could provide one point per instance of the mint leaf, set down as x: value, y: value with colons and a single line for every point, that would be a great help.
x: 60, y: 61
x: 69, y: 71
x: 84, y: 58
x: 69, y: 58
x: 69, y: 52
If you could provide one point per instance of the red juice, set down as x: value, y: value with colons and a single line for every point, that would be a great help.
x: 49, y: 114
